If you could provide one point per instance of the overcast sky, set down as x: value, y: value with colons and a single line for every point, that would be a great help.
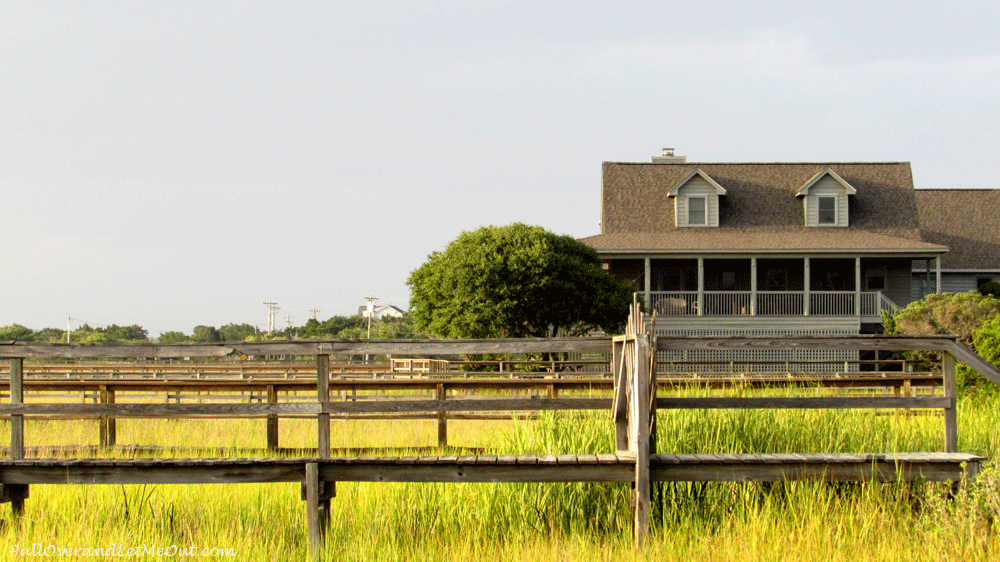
x: 170, y: 164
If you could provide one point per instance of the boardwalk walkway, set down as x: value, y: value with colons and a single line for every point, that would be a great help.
x: 632, y: 408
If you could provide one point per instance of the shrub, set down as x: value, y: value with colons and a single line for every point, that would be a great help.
x: 990, y: 289
x: 961, y: 314
x: 987, y: 344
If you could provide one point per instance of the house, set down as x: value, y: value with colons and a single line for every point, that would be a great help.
x: 788, y: 248
x: 380, y: 312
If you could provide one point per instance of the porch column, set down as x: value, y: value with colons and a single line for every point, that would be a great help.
x: 701, y: 286
x: 857, y: 286
x: 937, y: 281
x: 646, y: 282
x: 753, y: 286
x: 805, y: 285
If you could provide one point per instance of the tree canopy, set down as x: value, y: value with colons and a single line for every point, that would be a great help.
x: 515, y: 281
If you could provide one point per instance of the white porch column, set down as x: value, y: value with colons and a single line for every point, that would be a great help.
x: 937, y: 281
x: 805, y: 285
x: 753, y: 286
x: 857, y: 286
x: 646, y: 282
x: 701, y: 286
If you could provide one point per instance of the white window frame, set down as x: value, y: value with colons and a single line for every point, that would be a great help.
x: 704, y: 211
x: 819, y: 211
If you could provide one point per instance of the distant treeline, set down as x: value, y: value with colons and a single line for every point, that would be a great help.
x: 336, y: 327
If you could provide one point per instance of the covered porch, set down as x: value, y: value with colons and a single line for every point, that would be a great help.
x: 860, y: 287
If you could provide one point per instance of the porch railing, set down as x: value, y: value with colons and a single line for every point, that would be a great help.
x: 769, y: 303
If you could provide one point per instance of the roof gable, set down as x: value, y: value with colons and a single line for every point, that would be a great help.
x: 719, y: 190
x: 804, y: 190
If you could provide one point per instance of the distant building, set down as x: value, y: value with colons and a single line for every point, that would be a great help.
x: 380, y: 312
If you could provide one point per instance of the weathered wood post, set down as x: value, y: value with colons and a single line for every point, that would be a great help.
x: 108, y: 424
x: 619, y: 409
x: 16, y: 493
x: 17, y: 397
x: 442, y: 418
x: 951, y: 411
x: 323, y: 396
x: 633, y: 366
x: 272, y: 420
x: 639, y: 441
x: 316, y: 493
x: 323, y: 391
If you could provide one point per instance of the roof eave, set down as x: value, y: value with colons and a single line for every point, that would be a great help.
x: 902, y: 252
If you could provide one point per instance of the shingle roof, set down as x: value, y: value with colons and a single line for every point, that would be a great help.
x: 760, y: 210
x: 965, y: 220
x: 763, y: 239
x: 758, y: 195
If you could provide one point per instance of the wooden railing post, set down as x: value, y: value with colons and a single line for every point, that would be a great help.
x: 272, y: 420
x: 442, y: 418
x: 619, y: 409
x: 17, y: 397
x: 950, y: 412
x: 639, y: 422
x: 316, y: 493
x: 16, y: 493
x: 323, y: 396
x: 108, y: 424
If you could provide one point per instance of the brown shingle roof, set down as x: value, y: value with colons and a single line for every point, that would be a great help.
x: 760, y: 211
x: 965, y: 220
x: 758, y: 195
x: 763, y: 239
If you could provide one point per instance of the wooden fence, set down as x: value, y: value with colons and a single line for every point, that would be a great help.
x: 221, y: 387
x: 633, y: 407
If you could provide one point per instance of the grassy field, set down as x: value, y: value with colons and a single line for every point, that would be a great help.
x: 530, y: 522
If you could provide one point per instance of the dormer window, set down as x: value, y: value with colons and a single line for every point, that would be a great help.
x: 696, y: 211
x: 825, y: 199
x: 696, y: 200
x: 827, y: 211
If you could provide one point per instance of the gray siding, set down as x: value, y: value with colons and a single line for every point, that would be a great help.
x: 950, y: 283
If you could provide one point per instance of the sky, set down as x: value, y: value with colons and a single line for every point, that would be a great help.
x: 173, y: 164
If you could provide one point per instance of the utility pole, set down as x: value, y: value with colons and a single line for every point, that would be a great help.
x: 288, y: 321
x: 371, y: 312
x: 315, y: 311
x: 272, y: 310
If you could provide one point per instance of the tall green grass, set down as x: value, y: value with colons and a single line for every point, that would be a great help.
x: 578, y: 521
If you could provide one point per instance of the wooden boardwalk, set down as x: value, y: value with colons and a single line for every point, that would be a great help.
x: 497, y: 468
x: 632, y: 406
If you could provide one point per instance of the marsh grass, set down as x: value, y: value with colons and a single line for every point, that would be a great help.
x: 547, y: 522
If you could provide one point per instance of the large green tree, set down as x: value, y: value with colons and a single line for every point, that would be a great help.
x: 515, y: 281
x: 236, y: 332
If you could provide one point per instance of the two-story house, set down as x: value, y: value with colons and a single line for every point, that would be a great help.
x: 767, y: 248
